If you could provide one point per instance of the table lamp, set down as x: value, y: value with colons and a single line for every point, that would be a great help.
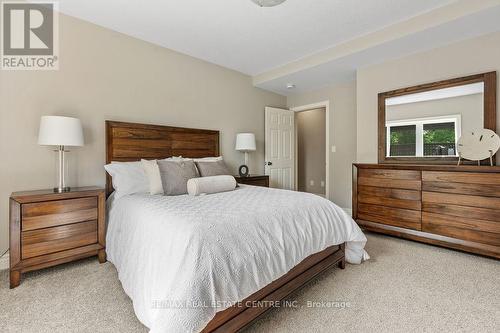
x: 245, y: 142
x: 61, y: 132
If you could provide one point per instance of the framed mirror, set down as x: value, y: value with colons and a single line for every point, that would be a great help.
x: 422, y: 124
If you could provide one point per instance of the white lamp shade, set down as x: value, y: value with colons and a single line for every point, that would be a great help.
x: 60, y: 131
x: 245, y: 142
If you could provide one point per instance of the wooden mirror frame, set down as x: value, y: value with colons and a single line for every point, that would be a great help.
x: 490, y: 114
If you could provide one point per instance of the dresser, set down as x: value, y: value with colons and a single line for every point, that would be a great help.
x: 48, y: 228
x: 452, y: 206
x: 261, y: 180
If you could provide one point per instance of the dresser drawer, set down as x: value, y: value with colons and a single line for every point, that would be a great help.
x: 467, y: 206
x: 55, y: 213
x: 390, y: 174
x: 461, y: 177
x: 469, y: 183
x: 461, y: 200
x: 397, y: 217
x: 49, y: 240
x: 401, y: 179
x: 390, y: 197
x: 471, y: 229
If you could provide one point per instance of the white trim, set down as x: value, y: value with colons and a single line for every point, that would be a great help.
x: 347, y: 210
x: 419, y: 130
x: 427, y: 120
x: 4, y: 261
x: 326, y: 105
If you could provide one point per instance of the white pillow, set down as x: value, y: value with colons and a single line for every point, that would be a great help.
x: 153, y: 174
x: 209, y: 185
x: 128, y: 178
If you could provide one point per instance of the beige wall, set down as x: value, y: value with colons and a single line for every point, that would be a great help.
x: 311, y: 146
x: 469, y: 107
x: 464, y: 58
x: 342, y: 127
x: 107, y: 75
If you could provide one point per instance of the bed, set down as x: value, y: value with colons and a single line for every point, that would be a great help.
x: 215, y: 263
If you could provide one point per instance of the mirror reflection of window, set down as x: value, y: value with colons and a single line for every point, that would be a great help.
x: 429, y: 124
x: 403, y: 140
x: 421, y: 137
x: 440, y: 139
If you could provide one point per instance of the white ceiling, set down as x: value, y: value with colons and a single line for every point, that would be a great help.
x: 268, y: 43
x: 338, y: 69
x: 240, y: 35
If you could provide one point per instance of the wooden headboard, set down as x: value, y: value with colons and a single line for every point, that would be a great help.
x: 131, y: 142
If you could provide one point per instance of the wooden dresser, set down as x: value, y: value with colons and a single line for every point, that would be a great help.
x: 451, y: 206
x: 48, y: 228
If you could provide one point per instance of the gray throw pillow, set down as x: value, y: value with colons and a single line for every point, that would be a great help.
x: 214, y: 168
x: 175, y: 174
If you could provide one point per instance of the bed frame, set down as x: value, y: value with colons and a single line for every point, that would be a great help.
x: 131, y: 142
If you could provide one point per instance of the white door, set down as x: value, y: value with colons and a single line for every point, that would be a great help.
x: 280, y: 148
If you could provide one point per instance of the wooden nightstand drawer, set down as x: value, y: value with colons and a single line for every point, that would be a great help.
x: 44, y: 241
x: 253, y: 180
x: 258, y: 182
x: 55, y: 213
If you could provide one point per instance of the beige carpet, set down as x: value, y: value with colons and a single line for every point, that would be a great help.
x: 406, y: 286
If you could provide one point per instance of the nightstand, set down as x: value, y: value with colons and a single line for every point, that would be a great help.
x: 48, y: 228
x: 262, y: 180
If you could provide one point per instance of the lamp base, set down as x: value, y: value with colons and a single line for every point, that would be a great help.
x: 62, y: 190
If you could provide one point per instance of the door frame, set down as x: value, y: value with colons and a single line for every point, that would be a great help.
x: 318, y: 105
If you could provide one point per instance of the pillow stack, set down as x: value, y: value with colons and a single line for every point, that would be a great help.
x: 171, y: 176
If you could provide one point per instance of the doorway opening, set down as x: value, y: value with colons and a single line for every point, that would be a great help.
x: 311, y: 147
x: 282, y: 153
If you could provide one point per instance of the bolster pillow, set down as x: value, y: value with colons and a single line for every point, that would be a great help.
x: 208, y: 185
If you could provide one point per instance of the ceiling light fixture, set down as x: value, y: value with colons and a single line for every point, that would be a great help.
x: 290, y: 86
x: 268, y: 3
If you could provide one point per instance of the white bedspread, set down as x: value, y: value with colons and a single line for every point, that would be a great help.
x: 177, y: 256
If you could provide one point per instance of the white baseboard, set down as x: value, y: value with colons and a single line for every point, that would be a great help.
x: 4, y: 261
x: 348, y: 211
